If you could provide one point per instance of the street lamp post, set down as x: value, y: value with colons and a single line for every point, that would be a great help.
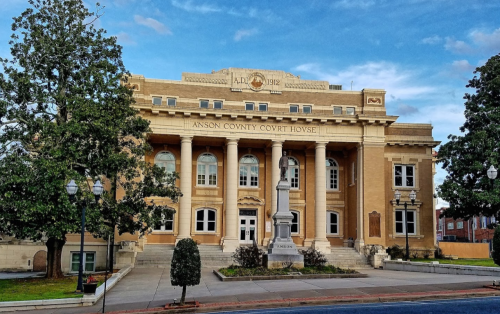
x: 413, y: 195
x: 97, y: 190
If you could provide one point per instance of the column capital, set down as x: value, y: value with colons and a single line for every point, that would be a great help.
x: 186, y: 139
x: 320, y: 144
x: 277, y: 143
x: 232, y: 141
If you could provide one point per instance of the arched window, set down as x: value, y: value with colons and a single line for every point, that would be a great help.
x: 205, y: 220
x: 165, y: 160
x: 292, y: 173
x: 332, y: 174
x: 332, y: 223
x: 249, y: 171
x: 295, y: 227
x: 207, y: 170
x: 166, y: 223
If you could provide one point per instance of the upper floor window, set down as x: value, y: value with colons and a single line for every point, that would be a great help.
x: 157, y: 101
x: 249, y: 171
x: 349, y: 111
x: 332, y: 223
x: 262, y: 107
x: 205, y: 220
x: 171, y: 102
x: 166, y: 223
x: 204, y: 104
x: 217, y: 104
x: 306, y: 109
x: 460, y: 224
x: 400, y: 222
x: 332, y: 174
x: 450, y: 226
x: 292, y: 174
x: 337, y: 110
x: 165, y: 160
x: 207, y: 170
x: 294, y: 108
x: 404, y: 175
x: 249, y: 106
x: 440, y: 224
x: 483, y: 222
x: 295, y: 222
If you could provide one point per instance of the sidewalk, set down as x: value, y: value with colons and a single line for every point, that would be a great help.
x: 149, y: 288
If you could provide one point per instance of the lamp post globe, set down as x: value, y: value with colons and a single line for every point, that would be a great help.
x: 492, y: 173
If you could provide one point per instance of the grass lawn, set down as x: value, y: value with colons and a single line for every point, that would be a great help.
x: 39, y: 288
x: 487, y: 262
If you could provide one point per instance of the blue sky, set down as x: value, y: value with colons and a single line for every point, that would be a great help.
x: 421, y: 52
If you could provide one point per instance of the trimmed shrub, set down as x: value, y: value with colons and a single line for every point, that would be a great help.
x: 396, y: 251
x: 438, y: 253
x: 248, y: 256
x: 313, y: 257
x: 496, y: 246
x: 186, y: 266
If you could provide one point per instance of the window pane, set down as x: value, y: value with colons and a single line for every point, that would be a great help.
x: 262, y: 107
x: 399, y: 215
x: 333, y: 229
x: 211, y: 226
x: 411, y: 216
x: 249, y: 106
x: 74, y: 266
x: 399, y: 227
x: 409, y: 181
x: 295, y: 218
x: 200, y: 214
x: 333, y: 218
x: 243, y: 176
x: 157, y: 101
x: 199, y: 226
x: 295, y: 228
x: 203, y: 103
x: 211, y: 215
x: 171, y: 101
x: 349, y: 110
x: 217, y: 104
x: 337, y: 110
x: 306, y: 109
x: 411, y: 227
x: 294, y: 108
x: 169, y: 226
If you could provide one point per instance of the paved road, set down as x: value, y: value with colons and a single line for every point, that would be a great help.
x: 150, y: 287
x: 478, y: 305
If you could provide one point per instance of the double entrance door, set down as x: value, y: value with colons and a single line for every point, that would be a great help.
x: 248, y: 226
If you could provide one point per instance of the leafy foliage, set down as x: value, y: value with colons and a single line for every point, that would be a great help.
x: 467, y: 157
x: 396, y: 251
x: 186, y: 266
x: 238, y: 271
x: 496, y: 246
x: 313, y: 257
x: 66, y: 114
x: 248, y: 256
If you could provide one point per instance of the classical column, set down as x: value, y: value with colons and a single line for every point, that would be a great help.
x: 277, y: 150
x: 186, y: 183
x: 360, y: 241
x: 231, y: 241
x: 320, y: 241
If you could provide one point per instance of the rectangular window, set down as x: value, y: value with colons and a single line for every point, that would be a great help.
x: 294, y: 177
x: 483, y: 223
x: 474, y: 223
x: 166, y: 223
x: 460, y: 224
x: 493, y: 220
x: 400, y: 222
x: 157, y: 101
x: 337, y: 110
x: 332, y: 223
x: 295, y: 222
x: 450, y: 226
x: 294, y: 108
x: 440, y: 224
x: 217, y: 104
x: 249, y: 106
x: 88, y: 261
x: 307, y: 109
x: 262, y: 107
x: 349, y: 111
x: 353, y: 173
x: 404, y: 175
x: 204, y: 104
x: 171, y: 102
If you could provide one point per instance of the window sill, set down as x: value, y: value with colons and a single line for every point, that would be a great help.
x: 332, y: 191
x: 209, y: 187
x: 251, y: 188
x: 162, y: 232
x: 334, y: 236
x: 205, y: 233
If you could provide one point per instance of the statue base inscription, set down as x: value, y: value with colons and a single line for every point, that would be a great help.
x: 282, y: 252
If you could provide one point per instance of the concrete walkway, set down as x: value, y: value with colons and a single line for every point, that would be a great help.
x: 145, y: 288
x: 12, y: 275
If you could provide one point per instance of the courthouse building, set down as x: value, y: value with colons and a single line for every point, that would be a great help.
x: 224, y: 133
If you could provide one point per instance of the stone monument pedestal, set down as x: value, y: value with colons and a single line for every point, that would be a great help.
x: 282, y: 252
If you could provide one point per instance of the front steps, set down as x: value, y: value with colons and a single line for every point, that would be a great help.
x: 160, y: 255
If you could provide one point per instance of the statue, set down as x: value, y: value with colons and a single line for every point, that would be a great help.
x: 283, y: 166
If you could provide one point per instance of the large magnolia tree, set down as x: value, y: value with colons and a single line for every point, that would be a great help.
x: 467, y: 157
x: 65, y: 114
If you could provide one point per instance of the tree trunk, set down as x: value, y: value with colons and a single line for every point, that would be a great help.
x: 183, y: 297
x: 54, y: 253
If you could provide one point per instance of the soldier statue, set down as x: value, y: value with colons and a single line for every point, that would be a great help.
x: 283, y: 167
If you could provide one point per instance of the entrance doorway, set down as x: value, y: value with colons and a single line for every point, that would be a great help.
x: 248, y: 226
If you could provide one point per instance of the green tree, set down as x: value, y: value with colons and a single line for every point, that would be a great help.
x: 467, y: 157
x: 66, y: 114
x: 496, y: 246
x: 186, y: 266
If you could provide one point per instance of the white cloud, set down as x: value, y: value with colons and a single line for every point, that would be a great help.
x: 396, y: 81
x: 457, y: 46
x: 432, y: 40
x: 189, y: 6
x: 152, y: 23
x: 244, y: 33
x: 406, y: 110
x: 125, y: 39
x: 462, y: 66
x: 350, y: 4
x: 484, y: 40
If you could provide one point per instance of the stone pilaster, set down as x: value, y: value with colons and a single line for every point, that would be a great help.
x: 231, y: 241
x: 360, y: 241
x: 185, y: 185
x: 321, y: 243
x: 277, y: 150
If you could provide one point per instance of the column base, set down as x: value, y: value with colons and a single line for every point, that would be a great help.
x: 359, y: 245
x: 308, y: 243
x: 230, y: 245
x: 265, y: 242
x: 322, y: 245
x: 179, y: 237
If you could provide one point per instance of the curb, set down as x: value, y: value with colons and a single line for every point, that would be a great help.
x: 285, y: 277
x: 376, y: 298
